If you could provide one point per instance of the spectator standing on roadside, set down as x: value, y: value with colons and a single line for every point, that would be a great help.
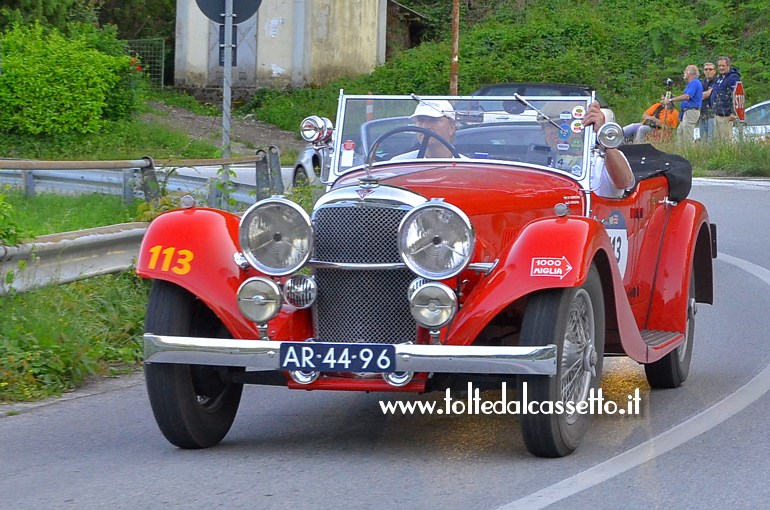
x: 706, y: 113
x: 691, y: 99
x: 722, y: 99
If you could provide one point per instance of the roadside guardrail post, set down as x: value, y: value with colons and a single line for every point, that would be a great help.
x: 274, y: 163
x: 150, y: 185
x: 214, y: 192
x: 28, y: 182
x: 127, y: 186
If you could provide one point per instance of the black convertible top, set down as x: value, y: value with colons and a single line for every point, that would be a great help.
x: 646, y: 161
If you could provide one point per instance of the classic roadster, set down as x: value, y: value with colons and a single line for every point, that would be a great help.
x: 495, y: 262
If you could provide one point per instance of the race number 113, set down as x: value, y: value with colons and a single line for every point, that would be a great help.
x: 170, y: 259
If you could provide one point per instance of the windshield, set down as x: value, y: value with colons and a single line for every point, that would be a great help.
x: 534, y: 131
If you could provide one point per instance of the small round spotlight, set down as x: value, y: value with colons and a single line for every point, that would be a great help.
x: 433, y: 305
x: 259, y: 299
x: 300, y: 291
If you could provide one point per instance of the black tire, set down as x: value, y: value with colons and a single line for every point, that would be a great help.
x: 194, y: 406
x: 672, y: 370
x: 573, y: 320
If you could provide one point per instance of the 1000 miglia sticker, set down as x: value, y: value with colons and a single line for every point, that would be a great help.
x: 615, y: 225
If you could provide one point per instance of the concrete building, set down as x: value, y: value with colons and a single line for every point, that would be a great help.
x: 286, y: 43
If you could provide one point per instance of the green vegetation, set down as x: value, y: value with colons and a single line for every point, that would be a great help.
x: 55, y: 84
x: 52, y: 339
x: 624, y: 48
x: 49, y: 213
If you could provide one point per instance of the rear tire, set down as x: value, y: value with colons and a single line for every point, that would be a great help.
x: 194, y: 405
x: 573, y: 319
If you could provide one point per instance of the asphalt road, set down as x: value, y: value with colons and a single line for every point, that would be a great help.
x: 704, y: 444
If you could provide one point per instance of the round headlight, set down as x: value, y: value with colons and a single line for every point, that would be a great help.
x: 276, y: 236
x: 316, y: 129
x: 259, y: 299
x: 436, y: 240
x: 433, y: 305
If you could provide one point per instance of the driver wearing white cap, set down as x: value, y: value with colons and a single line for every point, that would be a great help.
x: 437, y: 116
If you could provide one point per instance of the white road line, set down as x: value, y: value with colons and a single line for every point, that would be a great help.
x: 754, y: 183
x: 663, y: 442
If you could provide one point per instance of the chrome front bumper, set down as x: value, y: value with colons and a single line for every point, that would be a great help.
x: 258, y: 355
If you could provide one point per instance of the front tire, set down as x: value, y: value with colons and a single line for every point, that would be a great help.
x: 573, y: 319
x: 194, y: 406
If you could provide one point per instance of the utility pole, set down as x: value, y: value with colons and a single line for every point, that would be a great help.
x: 455, y: 47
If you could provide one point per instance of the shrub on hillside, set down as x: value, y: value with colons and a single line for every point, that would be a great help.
x: 52, y: 84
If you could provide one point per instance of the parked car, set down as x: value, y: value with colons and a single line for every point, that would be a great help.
x: 756, y: 125
x: 497, y: 265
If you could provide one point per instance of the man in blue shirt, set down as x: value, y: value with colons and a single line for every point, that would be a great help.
x: 722, y: 99
x: 692, y: 100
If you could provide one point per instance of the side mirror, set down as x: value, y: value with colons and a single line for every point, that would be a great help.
x: 610, y: 135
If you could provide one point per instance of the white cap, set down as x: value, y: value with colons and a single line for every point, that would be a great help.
x: 434, y: 108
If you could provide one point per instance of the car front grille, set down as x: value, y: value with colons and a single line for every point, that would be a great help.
x: 361, y: 305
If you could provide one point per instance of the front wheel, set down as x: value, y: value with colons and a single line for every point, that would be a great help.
x: 573, y: 319
x: 194, y: 406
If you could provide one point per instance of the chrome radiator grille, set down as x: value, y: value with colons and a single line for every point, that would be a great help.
x: 357, y: 234
x: 361, y: 305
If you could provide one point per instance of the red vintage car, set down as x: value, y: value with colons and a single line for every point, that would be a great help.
x: 489, y: 260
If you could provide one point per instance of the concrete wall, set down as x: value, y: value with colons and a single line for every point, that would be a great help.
x: 287, y: 42
x: 343, y: 38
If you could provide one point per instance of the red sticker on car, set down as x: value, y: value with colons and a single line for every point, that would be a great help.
x: 550, y: 266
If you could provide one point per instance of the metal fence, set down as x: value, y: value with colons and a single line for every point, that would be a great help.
x: 151, y: 53
x: 259, y: 177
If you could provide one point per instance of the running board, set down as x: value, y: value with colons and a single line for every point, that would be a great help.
x: 659, y: 339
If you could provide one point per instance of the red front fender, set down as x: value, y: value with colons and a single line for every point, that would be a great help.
x: 549, y: 253
x: 194, y: 249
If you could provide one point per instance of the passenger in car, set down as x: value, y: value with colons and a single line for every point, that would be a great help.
x: 611, y: 176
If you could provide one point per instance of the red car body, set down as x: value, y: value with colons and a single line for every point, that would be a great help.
x: 535, y: 231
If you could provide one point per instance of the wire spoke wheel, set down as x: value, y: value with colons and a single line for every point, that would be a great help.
x: 573, y: 320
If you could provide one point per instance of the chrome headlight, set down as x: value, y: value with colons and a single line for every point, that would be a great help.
x: 433, y: 305
x: 436, y: 240
x: 259, y: 299
x: 276, y: 236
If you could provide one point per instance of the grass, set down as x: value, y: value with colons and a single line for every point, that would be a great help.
x: 49, y: 213
x: 52, y: 339
x: 743, y: 159
x: 125, y: 139
x: 119, y: 140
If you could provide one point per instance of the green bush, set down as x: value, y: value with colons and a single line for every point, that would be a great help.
x: 10, y: 233
x: 54, y: 85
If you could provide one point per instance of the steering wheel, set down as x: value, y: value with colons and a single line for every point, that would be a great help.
x: 428, y: 134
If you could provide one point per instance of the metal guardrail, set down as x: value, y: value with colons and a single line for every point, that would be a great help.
x: 70, y: 256
x: 139, y: 178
